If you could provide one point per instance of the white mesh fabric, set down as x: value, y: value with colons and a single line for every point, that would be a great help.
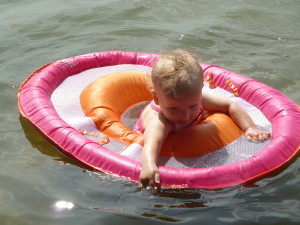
x: 66, y: 101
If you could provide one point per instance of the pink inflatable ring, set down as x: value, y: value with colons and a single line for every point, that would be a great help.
x: 50, y: 100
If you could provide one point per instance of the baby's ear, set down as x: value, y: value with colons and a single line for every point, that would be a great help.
x: 155, y: 98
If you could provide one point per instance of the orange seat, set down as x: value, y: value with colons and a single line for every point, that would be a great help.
x: 108, y: 97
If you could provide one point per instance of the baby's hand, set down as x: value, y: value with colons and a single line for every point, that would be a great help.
x: 149, y: 177
x: 256, y: 135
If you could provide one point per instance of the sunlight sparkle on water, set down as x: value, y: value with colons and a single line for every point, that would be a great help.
x: 64, y: 205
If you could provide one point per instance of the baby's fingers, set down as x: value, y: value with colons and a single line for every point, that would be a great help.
x: 263, y: 136
x: 257, y: 136
x: 154, y: 183
x: 144, y: 183
x: 252, y: 137
x: 157, y: 178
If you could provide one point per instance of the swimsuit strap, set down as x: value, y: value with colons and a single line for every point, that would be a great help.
x: 196, y: 121
x: 199, y: 118
x: 156, y: 109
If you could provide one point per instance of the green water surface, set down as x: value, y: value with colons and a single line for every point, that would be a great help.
x: 259, y: 39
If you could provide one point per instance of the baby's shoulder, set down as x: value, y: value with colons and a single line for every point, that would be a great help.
x: 154, y: 120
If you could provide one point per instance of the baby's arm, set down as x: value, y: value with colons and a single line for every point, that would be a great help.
x: 237, y: 114
x: 155, y: 133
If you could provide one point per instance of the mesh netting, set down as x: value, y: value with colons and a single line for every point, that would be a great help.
x: 66, y: 101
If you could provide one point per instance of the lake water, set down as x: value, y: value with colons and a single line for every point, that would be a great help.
x: 259, y: 39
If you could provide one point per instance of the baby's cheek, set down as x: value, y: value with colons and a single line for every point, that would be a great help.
x: 194, y: 115
x: 172, y: 117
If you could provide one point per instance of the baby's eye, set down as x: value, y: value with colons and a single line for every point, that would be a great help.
x: 173, y: 108
x: 193, y: 106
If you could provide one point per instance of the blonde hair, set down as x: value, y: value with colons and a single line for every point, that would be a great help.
x: 177, y: 72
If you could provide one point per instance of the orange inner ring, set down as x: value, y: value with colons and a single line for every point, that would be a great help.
x: 108, y: 97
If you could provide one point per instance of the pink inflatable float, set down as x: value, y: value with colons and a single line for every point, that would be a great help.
x: 50, y: 100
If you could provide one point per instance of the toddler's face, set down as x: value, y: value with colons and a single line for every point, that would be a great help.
x: 180, y: 110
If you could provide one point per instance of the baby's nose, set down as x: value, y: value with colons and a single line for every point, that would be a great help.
x: 185, y: 115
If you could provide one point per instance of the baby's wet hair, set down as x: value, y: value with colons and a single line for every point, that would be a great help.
x: 177, y: 72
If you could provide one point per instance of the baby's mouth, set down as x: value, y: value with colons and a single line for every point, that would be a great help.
x: 183, y: 122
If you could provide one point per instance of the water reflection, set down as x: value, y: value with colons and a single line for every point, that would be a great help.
x: 106, y: 209
x: 188, y: 204
x: 172, y: 205
x: 63, y: 205
x: 159, y: 216
x: 38, y: 141
x: 180, y: 193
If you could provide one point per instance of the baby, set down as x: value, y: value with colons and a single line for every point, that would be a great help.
x: 178, y: 103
